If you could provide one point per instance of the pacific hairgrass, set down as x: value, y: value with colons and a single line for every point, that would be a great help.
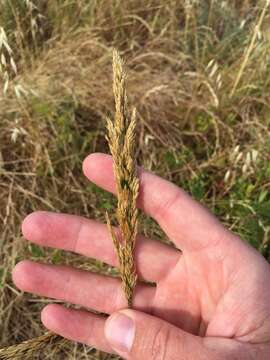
x: 121, y: 139
x: 183, y: 135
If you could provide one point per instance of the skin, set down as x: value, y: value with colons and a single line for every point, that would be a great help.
x: 211, y: 299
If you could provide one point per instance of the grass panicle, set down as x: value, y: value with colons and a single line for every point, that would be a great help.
x: 29, y: 348
x: 121, y: 139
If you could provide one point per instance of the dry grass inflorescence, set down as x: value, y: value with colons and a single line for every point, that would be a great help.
x: 199, y: 76
x: 121, y: 139
x: 30, y: 348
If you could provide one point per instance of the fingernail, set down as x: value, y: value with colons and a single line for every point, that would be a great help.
x: 120, y: 332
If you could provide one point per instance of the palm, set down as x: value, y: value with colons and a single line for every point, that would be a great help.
x: 211, y: 296
x: 208, y: 289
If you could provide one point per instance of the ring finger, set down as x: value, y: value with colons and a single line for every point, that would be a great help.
x: 90, y: 238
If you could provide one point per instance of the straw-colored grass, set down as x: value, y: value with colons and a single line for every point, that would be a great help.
x: 121, y: 139
x: 183, y: 60
x: 30, y: 348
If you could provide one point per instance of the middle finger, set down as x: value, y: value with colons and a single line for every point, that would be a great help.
x: 93, y: 291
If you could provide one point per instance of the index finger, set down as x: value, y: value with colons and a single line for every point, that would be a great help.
x: 187, y: 223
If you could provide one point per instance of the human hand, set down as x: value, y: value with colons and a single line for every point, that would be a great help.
x: 211, y: 301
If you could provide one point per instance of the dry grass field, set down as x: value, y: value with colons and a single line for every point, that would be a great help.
x: 199, y: 75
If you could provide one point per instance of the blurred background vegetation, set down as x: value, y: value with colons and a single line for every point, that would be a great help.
x: 199, y: 75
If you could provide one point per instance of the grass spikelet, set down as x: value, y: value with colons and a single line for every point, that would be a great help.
x: 121, y: 139
x: 29, y: 348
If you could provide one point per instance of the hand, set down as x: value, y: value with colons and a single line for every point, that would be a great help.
x: 211, y: 301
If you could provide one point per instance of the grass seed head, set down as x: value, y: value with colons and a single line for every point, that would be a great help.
x: 121, y: 139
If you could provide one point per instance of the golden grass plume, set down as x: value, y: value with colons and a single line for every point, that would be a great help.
x: 121, y: 139
x: 29, y: 348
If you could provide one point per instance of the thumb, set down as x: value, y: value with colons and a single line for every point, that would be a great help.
x: 135, y: 335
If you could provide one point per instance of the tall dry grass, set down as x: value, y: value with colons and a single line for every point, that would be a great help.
x: 183, y: 62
